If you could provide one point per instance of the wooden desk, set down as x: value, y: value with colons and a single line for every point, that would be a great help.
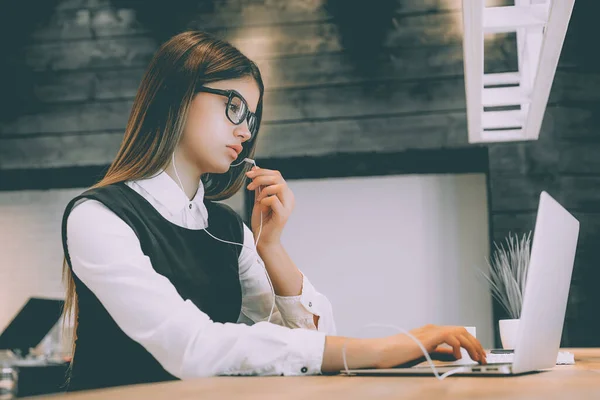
x: 579, y: 381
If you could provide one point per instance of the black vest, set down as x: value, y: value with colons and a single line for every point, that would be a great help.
x: 201, y: 268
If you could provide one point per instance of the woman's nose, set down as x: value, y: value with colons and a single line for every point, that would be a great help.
x: 243, y: 132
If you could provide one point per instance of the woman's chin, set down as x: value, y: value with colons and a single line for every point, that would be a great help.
x: 218, y: 166
x: 221, y: 168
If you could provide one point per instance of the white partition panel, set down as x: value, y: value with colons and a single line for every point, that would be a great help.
x: 397, y: 250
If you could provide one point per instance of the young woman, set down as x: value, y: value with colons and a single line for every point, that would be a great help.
x: 164, y: 282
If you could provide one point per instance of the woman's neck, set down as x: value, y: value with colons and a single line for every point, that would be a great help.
x: 184, y: 175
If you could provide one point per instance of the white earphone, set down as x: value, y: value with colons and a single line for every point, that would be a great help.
x: 249, y: 161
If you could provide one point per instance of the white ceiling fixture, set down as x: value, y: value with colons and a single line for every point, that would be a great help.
x: 510, y: 106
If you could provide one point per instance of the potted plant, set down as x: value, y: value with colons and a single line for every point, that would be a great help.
x: 506, y: 275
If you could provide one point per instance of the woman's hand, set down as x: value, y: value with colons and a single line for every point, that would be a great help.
x: 401, y: 349
x: 275, y: 201
x: 392, y: 351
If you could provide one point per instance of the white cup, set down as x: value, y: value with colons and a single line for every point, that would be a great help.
x: 508, y: 332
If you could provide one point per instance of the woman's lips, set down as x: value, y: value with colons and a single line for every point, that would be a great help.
x: 233, y: 152
x: 237, y: 149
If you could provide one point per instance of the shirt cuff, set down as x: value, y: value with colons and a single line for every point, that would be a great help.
x: 304, y: 351
x: 302, y: 307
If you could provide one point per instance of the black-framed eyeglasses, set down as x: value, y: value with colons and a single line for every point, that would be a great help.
x: 237, y: 109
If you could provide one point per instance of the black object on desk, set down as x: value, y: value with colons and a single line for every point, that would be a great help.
x: 27, y: 329
x: 41, y: 379
x: 31, y: 324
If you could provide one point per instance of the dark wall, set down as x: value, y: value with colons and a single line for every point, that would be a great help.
x: 343, y: 79
x: 565, y: 162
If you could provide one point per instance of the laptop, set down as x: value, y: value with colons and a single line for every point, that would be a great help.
x: 31, y: 324
x: 544, y: 303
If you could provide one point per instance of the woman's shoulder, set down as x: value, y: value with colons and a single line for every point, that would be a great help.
x: 96, y: 234
x: 87, y: 211
x: 88, y: 207
x: 87, y: 201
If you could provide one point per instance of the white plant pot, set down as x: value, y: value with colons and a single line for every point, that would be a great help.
x: 508, y: 332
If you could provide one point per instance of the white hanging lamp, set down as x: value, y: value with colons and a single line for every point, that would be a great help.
x: 540, y: 26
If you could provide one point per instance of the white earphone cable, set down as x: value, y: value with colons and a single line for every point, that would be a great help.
x: 250, y: 161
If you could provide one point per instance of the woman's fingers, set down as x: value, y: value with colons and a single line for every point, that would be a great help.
x: 256, y: 172
x: 264, y: 180
x: 459, y: 335
x: 469, y: 347
x: 479, y: 350
x: 257, y: 193
x: 433, y: 337
x: 283, y: 193
x: 276, y: 189
x: 274, y: 203
x: 443, y: 353
x: 472, y: 346
x: 453, y: 342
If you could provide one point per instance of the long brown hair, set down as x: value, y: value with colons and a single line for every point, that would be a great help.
x: 158, y: 115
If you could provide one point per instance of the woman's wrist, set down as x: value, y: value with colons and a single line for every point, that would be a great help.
x: 268, y: 246
x: 360, y: 353
x: 398, y: 349
x: 285, y: 276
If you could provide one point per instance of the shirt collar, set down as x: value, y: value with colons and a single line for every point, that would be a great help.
x: 167, y: 192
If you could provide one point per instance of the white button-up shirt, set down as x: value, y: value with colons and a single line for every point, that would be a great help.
x: 106, y: 256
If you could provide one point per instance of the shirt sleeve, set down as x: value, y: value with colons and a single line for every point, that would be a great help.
x: 106, y: 256
x: 290, y: 311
